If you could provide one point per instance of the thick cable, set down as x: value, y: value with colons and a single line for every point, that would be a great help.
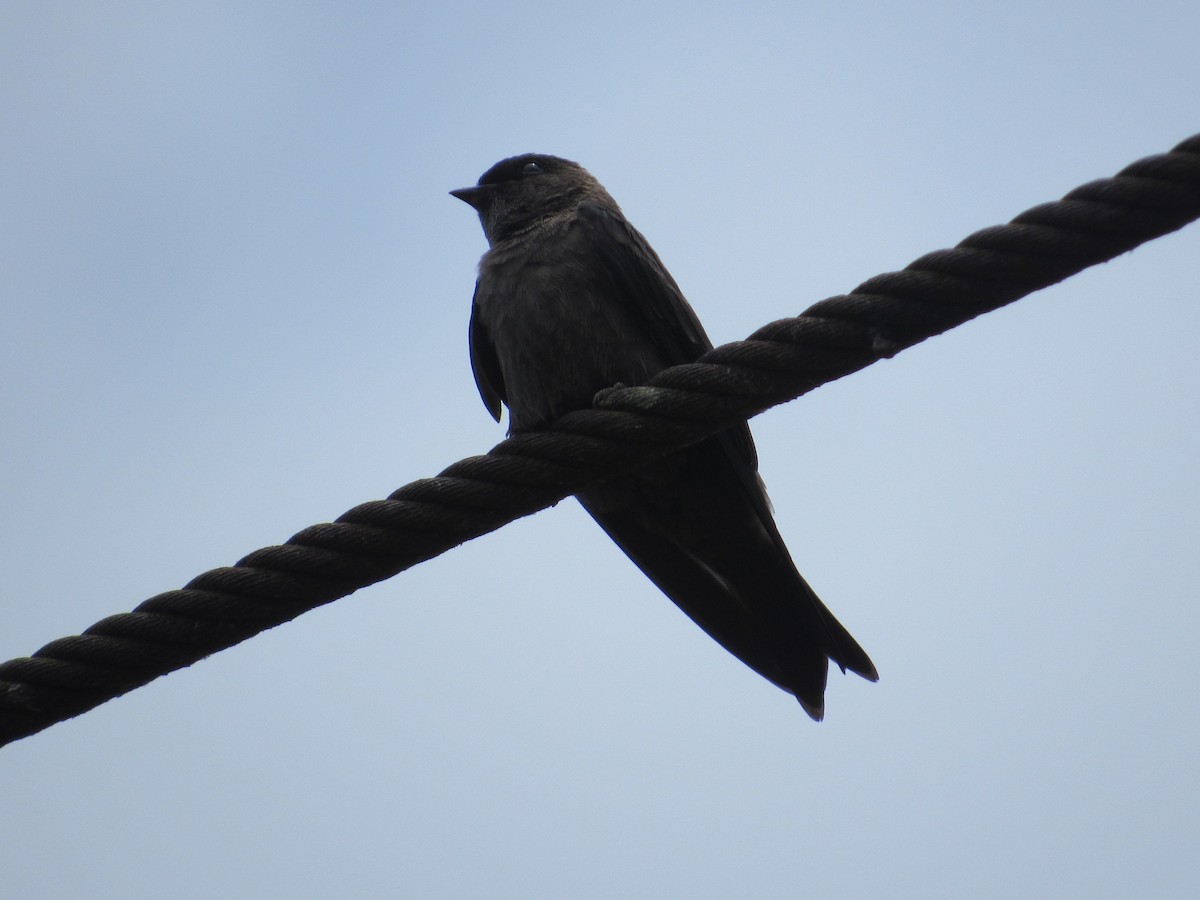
x: 627, y: 427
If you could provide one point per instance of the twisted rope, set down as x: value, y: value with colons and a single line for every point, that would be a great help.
x: 627, y: 427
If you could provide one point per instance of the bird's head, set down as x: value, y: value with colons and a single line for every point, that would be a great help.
x: 520, y: 191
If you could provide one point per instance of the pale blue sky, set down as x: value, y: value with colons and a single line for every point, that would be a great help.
x: 234, y: 302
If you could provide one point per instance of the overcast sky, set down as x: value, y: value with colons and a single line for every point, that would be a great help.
x: 233, y: 302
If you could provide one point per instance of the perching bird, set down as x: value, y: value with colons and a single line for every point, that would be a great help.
x: 571, y: 300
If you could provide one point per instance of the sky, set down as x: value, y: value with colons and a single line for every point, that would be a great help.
x: 233, y: 303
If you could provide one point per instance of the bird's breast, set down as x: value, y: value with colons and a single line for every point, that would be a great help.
x: 560, y: 331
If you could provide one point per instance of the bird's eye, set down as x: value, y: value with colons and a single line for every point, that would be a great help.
x: 531, y: 168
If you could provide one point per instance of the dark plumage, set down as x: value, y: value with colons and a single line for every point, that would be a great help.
x: 570, y: 300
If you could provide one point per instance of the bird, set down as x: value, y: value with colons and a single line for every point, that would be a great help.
x: 571, y: 300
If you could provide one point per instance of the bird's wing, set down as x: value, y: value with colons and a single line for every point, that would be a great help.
x: 654, y: 298
x: 484, y: 362
x: 644, y: 282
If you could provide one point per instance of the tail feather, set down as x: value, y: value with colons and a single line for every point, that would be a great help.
x: 777, y: 626
x: 699, y: 526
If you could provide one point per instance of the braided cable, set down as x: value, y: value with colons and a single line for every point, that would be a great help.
x: 627, y: 427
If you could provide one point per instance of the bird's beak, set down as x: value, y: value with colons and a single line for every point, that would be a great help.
x: 473, y: 196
